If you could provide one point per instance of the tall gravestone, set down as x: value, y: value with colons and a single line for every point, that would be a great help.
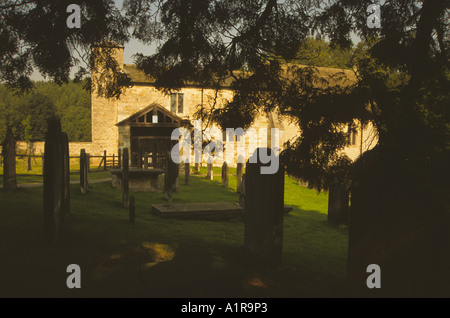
x: 338, y: 204
x: 210, y: 173
x: 263, y: 213
x: 225, y: 175
x: 9, y: 158
x: 56, y: 170
x: 125, y: 179
x: 239, y: 173
x: 170, y: 177
x: 242, y: 192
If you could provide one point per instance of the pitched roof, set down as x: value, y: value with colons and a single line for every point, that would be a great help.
x: 141, y: 118
x: 348, y: 77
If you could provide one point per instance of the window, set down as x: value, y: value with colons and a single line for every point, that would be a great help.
x: 176, y: 102
x: 351, y: 136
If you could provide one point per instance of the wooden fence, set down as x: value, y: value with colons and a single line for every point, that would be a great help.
x: 32, y: 163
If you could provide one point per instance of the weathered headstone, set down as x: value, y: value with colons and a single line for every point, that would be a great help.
x: 239, y: 173
x: 56, y: 201
x: 187, y: 172
x: 225, y: 175
x: 263, y: 213
x: 338, y: 204
x: 125, y: 179
x: 242, y: 192
x: 170, y: 177
x: 132, y: 210
x: 9, y: 158
x: 83, y: 171
x: 210, y: 172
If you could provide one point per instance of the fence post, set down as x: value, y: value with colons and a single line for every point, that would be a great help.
x: 114, y: 160
x: 29, y: 162
x: 104, y: 160
x: 125, y: 184
x: 83, y: 172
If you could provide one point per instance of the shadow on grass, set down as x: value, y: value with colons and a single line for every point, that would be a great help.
x: 158, y: 257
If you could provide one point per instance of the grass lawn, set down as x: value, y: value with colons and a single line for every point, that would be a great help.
x: 158, y: 257
x: 35, y: 175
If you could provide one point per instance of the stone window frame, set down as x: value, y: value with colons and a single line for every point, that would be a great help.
x: 177, y: 103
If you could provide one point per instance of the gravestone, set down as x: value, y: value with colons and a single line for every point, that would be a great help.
x: 210, y: 172
x: 170, y: 177
x: 225, y: 175
x: 242, y: 192
x: 239, y: 173
x: 83, y: 171
x: 187, y: 172
x: 263, y: 213
x: 56, y: 200
x: 9, y: 161
x: 338, y: 204
x: 125, y: 179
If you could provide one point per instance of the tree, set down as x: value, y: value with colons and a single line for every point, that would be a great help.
x: 318, y: 52
x: 402, y: 88
x: 35, y: 35
x: 70, y: 102
x: 32, y: 117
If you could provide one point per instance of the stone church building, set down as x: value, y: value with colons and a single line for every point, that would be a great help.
x: 143, y: 118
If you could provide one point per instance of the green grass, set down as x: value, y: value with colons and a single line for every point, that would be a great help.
x: 158, y: 257
x: 35, y: 175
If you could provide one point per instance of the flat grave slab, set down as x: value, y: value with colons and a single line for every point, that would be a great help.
x: 139, y: 179
x: 198, y: 211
